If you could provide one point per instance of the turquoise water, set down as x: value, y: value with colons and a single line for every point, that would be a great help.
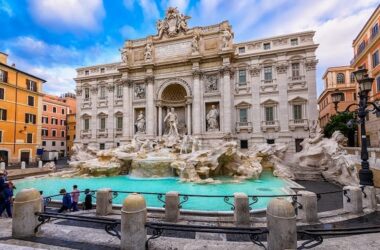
x: 267, y: 185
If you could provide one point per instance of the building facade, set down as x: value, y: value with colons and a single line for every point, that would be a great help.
x: 70, y: 100
x: 367, y: 55
x: 336, y: 79
x: 20, y: 114
x: 54, y: 111
x: 253, y: 92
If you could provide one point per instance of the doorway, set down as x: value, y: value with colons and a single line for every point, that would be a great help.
x: 25, y: 155
x: 4, y: 157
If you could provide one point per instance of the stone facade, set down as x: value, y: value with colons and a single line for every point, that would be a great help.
x: 256, y: 91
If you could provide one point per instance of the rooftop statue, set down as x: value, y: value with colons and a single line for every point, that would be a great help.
x: 173, y: 23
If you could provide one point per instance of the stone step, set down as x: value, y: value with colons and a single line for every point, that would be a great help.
x: 309, y: 176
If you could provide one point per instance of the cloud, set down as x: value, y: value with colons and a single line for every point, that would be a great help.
x: 4, y: 7
x: 128, y: 32
x: 181, y: 4
x: 68, y: 15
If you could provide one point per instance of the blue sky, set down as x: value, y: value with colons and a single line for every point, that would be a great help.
x: 50, y: 38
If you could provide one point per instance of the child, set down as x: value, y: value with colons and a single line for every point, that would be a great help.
x: 87, y: 200
x: 66, y: 201
x: 75, y: 198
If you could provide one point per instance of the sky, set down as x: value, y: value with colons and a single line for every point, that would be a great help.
x: 51, y: 38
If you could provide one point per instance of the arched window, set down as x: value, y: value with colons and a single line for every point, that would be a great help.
x: 340, y: 78
x: 352, y: 78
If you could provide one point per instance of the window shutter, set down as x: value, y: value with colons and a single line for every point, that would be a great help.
x: 26, y: 118
x: 4, y: 114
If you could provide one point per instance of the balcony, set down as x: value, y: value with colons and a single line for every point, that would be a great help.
x: 118, y: 131
x: 102, y: 103
x: 296, y: 78
x: 367, y: 44
x: 274, y: 124
x: 243, y: 126
x: 86, y: 103
x: 86, y: 133
x: 298, y: 123
x: 118, y: 101
x: 102, y: 133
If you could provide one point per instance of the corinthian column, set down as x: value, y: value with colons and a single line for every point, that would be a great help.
x: 227, y: 101
x: 150, y: 109
x: 196, y: 103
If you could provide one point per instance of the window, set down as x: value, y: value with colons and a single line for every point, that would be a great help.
x: 241, y: 50
x: 45, y: 120
x: 53, y: 143
x: 68, y: 138
x: 268, y: 73
x: 45, y: 107
x: 354, y: 96
x: 54, y: 133
x: 44, y: 143
x: 62, y: 133
x: 102, y: 146
x: 62, y: 143
x: 102, y: 70
x: 31, y: 101
x: 295, y: 69
x: 294, y: 41
x: 361, y: 47
x: 242, y: 77
x: 298, y: 144
x: 119, y: 91
x: 31, y: 85
x: 63, y: 111
x: 63, y: 122
x: 352, y: 77
x: 243, y: 143
x: 30, y: 118
x: 1, y: 93
x: 86, y: 72
x: 3, y: 114
x: 44, y: 132
x: 340, y: 78
x: 378, y: 83
x: 297, y: 112
x: 1, y: 136
x: 86, y: 124
x: 102, y: 92
x: 368, y: 141
x: 102, y: 123
x: 86, y: 93
x: 29, y: 138
x: 375, y: 59
x: 374, y: 30
x: 54, y: 121
x: 119, y: 122
x: 270, y: 141
x: 54, y: 109
x: 243, y: 115
x: 3, y: 76
x: 266, y: 46
x: 269, y: 114
x: 117, y: 144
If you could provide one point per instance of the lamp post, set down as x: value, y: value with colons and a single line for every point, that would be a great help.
x: 362, y: 109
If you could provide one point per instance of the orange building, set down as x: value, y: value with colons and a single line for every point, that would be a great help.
x: 54, y: 124
x: 20, y: 114
x: 336, y: 79
x: 367, y: 55
x: 70, y: 100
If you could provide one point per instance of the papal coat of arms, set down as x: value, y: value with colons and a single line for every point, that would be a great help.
x: 173, y: 23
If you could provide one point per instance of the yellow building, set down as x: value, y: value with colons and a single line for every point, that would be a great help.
x: 70, y: 132
x: 20, y: 114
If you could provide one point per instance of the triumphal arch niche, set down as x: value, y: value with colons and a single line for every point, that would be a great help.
x: 196, y: 81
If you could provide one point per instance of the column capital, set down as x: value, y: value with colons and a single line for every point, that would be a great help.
x: 197, y: 72
x: 226, y: 69
x: 149, y: 79
x: 255, y: 70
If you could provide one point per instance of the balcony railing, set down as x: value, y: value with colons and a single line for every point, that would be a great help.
x: 296, y: 123
x: 85, y: 133
x: 102, y: 132
x: 119, y: 131
x: 243, y: 126
x: 271, y: 124
x: 296, y: 78
x: 367, y: 44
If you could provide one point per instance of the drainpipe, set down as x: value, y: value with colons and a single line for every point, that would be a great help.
x: 15, y: 119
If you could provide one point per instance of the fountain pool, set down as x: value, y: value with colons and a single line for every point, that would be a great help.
x: 266, y: 185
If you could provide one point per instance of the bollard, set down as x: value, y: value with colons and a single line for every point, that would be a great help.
x: 171, y: 206
x: 103, y: 201
x: 23, y: 164
x: 241, y: 212
x: 309, y: 211
x: 25, y: 205
x: 2, y: 165
x: 281, y: 222
x: 39, y: 164
x: 352, y: 199
x: 133, y: 219
x: 369, y: 198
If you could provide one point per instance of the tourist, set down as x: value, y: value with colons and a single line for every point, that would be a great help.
x: 87, y: 200
x: 66, y: 201
x: 2, y: 181
x: 43, y: 201
x: 75, y: 198
x: 6, y: 200
x: 5, y: 175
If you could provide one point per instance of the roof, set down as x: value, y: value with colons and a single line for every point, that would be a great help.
x: 16, y: 69
x: 365, y: 25
x: 337, y: 68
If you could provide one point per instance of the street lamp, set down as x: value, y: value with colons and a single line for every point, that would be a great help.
x: 362, y: 109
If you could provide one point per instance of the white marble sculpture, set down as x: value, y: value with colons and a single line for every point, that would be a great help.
x: 172, y: 120
x: 173, y: 23
x: 148, y: 52
x: 124, y: 55
x: 140, y: 122
x: 226, y: 39
x: 212, y: 119
x: 195, y: 43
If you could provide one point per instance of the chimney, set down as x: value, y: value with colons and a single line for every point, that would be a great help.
x: 3, y: 58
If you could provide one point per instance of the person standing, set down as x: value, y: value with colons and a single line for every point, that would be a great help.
x: 75, y: 198
x: 66, y: 201
x: 6, y: 200
x: 87, y: 200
